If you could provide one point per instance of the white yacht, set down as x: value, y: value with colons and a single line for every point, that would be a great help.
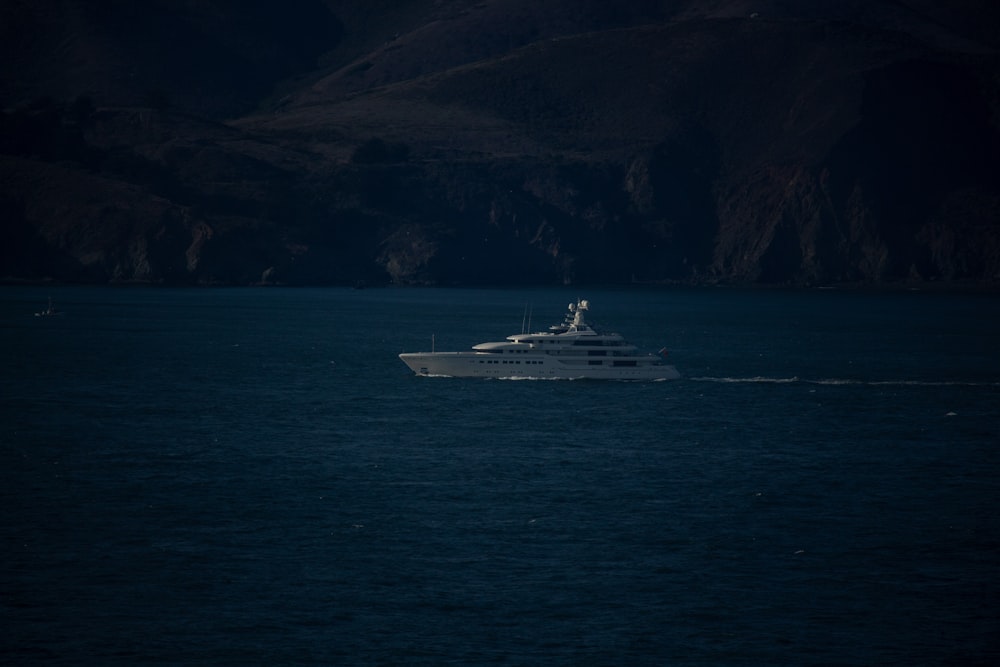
x: 571, y: 350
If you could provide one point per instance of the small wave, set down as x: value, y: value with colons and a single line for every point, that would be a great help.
x: 930, y: 383
x: 750, y: 380
x: 532, y: 378
x: 905, y: 383
x: 847, y: 382
x: 837, y: 382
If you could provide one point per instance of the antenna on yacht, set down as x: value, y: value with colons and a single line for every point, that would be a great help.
x: 432, y: 343
x: 526, y: 319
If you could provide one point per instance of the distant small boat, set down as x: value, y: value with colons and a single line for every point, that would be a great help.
x: 48, y: 311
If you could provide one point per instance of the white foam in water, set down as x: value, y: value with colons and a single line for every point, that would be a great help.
x: 844, y: 381
x: 754, y: 380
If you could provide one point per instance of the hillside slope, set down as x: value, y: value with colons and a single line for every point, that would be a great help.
x: 504, y: 141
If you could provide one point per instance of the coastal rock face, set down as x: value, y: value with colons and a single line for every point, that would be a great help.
x: 502, y: 142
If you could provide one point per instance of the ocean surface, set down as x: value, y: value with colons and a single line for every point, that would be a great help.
x: 252, y: 477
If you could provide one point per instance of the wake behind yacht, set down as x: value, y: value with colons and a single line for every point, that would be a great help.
x: 571, y: 350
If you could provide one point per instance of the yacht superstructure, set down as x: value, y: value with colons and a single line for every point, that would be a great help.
x: 571, y: 350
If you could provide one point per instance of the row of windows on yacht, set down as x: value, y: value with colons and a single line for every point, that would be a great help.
x: 573, y: 353
x: 512, y: 361
x: 587, y: 342
x: 592, y: 362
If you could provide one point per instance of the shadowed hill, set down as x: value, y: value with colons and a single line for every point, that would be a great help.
x: 511, y: 141
x: 211, y: 57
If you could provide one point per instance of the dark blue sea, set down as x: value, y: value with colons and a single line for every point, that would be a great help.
x: 252, y: 477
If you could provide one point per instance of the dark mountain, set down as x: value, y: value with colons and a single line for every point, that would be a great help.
x: 500, y: 141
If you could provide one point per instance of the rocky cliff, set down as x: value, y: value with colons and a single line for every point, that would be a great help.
x: 500, y: 142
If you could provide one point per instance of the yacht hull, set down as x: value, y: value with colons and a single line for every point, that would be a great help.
x: 486, y: 365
